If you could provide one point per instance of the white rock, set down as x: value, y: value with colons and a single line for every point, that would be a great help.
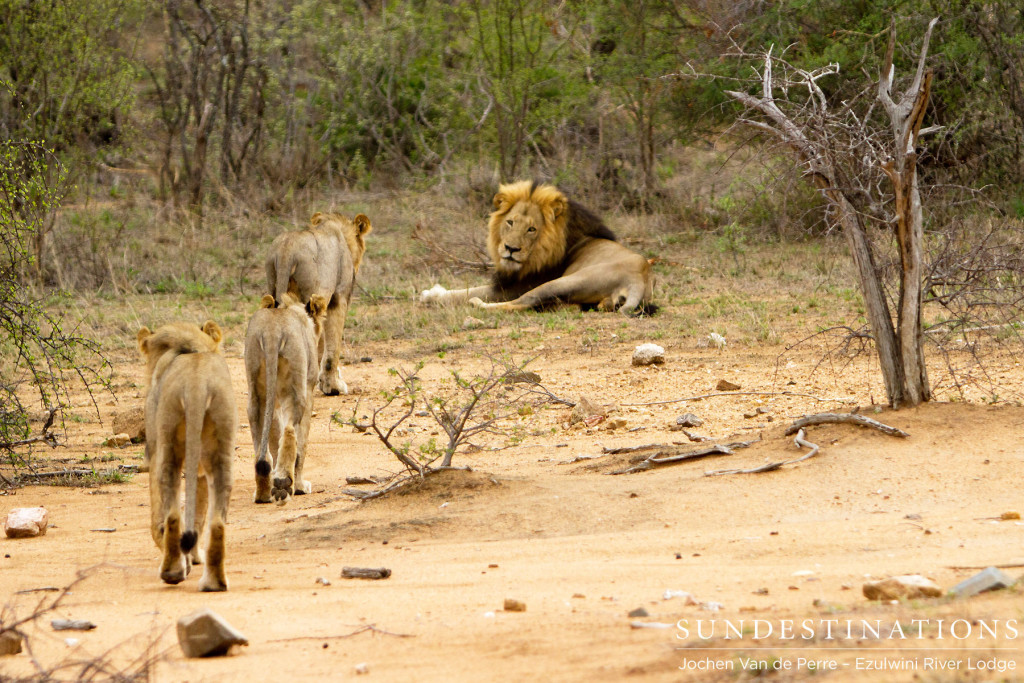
x: 909, y: 586
x: 204, y: 633
x: 26, y: 522
x: 716, y: 340
x: 648, y: 354
x: 362, y: 668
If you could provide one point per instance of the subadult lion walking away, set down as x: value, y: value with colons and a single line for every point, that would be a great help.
x: 322, y: 259
x: 190, y: 426
x: 281, y: 365
x: 548, y: 249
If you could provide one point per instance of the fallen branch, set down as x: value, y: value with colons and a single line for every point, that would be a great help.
x: 361, y: 629
x: 771, y: 466
x: 836, y: 418
x: 663, y: 456
x: 44, y: 436
x: 848, y: 399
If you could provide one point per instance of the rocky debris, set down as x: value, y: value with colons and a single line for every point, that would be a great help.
x: 586, y: 410
x: 362, y: 668
x: 365, y: 572
x: 514, y: 605
x: 689, y: 420
x: 72, y: 625
x: 26, y: 522
x: 711, y: 606
x: 989, y: 579
x: 522, y: 377
x: 648, y: 354
x: 323, y: 581
x: 1009, y: 516
x: 10, y: 643
x: 726, y: 385
x: 205, y: 633
x: 755, y: 412
x: 638, y: 613
x: 131, y: 422
x: 617, y: 423
x: 117, y: 441
x: 908, y: 586
x: 687, y: 597
x: 471, y: 323
x: 716, y: 340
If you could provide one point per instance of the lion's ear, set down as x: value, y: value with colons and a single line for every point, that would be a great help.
x: 267, y: 301
x: 317, y: 307
x: 500, y: 200
x: 212, y: 330
x: 142, y: 338
x: 317, y: 218
x: 558, y: 206
x: 362, y: 224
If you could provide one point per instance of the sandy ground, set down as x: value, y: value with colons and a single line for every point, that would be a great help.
x: 544, y: 523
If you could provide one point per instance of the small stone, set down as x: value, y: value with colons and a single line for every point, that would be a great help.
x: 514, y: 605
x: 687, y: 597
x: 908, y: 587
x: 1007, y: 516
x: 131, y: 422
x: 323, y: 581
x: 716, y: 340
x: 471, y: 323
x: 72, y: 625
x: 204, y: 633
x: 362, y: 668
x: 617, y: 423
x: 726, y: 385
x: 761, y: 591
x: 522, y: 377
x: 638, y: 613
x: 118, y: 441
x: 585, y: 409
x: 648, y: 354
x: 579, y: 596
x: 10, y: 643
x: 689, y: 420
x: 26, y: 522
x: 990, y: 579
x: 711, y: 606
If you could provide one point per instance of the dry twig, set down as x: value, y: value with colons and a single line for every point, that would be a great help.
x: 836, y: 418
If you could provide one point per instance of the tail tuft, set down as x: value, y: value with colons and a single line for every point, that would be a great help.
x: 188, y: 541
x: 263, y: 468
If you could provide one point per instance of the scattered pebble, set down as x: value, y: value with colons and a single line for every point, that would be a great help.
x: 908, y: 586
x: 205, y: 633
x: 514, y: 605
x: 648, y: 354
x: 362, y: 668
x: 726, y: 385
x: 26, y: 522
x: 989, y: 579
x: 638, y: 613
x: 689, y: 420
x: 10, y: 643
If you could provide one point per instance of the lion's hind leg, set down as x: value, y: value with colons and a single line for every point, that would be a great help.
x: 284, y: 473
x: 219, y: 484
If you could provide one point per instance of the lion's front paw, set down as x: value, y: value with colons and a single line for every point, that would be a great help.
x: 302, y: 488
x: 433, y: 295
x: 282, y: 490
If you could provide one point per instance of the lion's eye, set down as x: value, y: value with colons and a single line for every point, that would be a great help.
x: 508, y: 223
x: 531, y: 229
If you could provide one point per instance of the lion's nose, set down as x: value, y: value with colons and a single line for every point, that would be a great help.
x: 512, y: 250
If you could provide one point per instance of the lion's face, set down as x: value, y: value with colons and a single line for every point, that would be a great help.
x: 527, y: 229
x: 518, y: 230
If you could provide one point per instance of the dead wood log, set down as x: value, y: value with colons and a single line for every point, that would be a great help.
x: 836, y: 418
x: 365, y: 572
x: 665, y: 456
x: 771, y: 466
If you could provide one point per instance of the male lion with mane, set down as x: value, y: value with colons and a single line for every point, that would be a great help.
x: 549, y: 249
x: 322, y: 259
x: 190, y: 426
x: 281, y: 365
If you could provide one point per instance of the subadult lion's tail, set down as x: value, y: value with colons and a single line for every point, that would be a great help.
x: 270, y: 368
x: 195, y: 413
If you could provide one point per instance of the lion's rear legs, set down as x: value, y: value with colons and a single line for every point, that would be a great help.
x: 214, y: 578
x: 331, y: 383
x: 284, y: 473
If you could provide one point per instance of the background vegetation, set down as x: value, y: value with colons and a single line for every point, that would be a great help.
x: 188, y: 133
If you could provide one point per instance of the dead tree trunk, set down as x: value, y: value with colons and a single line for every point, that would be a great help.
x: 812, y: 133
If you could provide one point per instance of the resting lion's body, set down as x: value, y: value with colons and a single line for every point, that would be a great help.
x: 190, y: 427
x: 322, y: 259
x: 281, y: 366
x: 548, y: 249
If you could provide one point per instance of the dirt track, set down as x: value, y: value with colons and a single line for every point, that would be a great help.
x: 580, y: 548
